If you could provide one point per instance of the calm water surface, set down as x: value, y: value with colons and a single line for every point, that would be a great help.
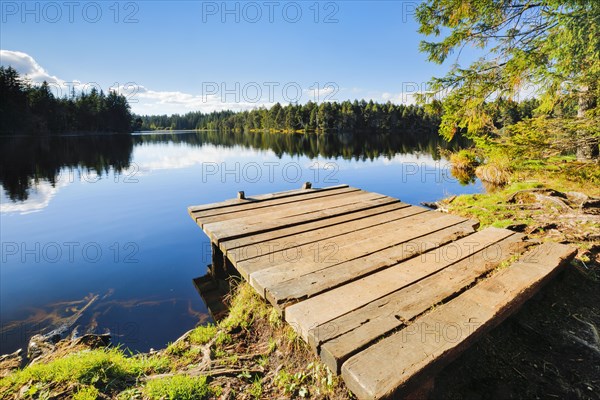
x: 95, y: 232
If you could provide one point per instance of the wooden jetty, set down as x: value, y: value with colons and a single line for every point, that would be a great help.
x: 386, y: 293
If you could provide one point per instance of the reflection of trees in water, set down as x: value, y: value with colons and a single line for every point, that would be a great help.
x: 28, y: 159
x: 349, y: 146
x: 465, y: 176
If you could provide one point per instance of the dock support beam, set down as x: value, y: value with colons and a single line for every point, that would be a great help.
x: 218, y: 262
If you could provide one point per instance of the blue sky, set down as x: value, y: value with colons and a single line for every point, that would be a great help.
x: 181, y: 56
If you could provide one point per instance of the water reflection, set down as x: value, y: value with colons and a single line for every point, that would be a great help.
x: 32, y: 168
x: 116, y: 193
x: 27, y: 160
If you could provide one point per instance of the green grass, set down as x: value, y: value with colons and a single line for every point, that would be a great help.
x: 106, y: 369
x: 491, y: 209
x: 256, y: 389
x: 563, y: 174
x: 86, y: 393
x: 177, y: 348
x: 245, y: 307
x: 203, y: 334
x: 178, y: 387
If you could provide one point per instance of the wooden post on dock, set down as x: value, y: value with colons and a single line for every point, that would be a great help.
x: 218, y: 263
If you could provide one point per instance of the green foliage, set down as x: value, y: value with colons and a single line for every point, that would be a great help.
x: 464, y: 159
x: 177, y: 348
x: 490, y: 208
x: 563, y: 174
x: 275, y: 319
x: 316, y: 380
x: 463, y: 164
x: 552, y: 45
x: 256, y: 390
x: 86, y: 393
x: 27, y: 108
x: 542, y: 137
x: 245, y: 307
x: 223, y: 338
x: 203, y: 334
x: 292, y: 383
x: 178, y: 387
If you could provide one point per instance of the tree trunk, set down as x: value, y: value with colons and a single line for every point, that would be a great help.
x: 587, y: 149
x: 587, y: 145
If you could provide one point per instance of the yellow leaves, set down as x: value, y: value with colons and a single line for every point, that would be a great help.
x: 477, y: 121
x: 515, y: 83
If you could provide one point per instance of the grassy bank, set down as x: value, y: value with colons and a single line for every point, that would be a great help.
x: 549, y: 199
x: 251, y: 354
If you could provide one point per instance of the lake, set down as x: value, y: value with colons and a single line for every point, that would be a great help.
x: 95, y: 232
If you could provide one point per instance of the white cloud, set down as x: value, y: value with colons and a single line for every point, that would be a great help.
x: 176, y: 156
x: 328, y: 92
x: 38, y: 199
x: 406, y: 98
x: 142, y: 99
x: 26, y: 65
x: 146, y: 101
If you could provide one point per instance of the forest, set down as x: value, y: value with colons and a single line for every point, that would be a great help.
x: 325, y: 117
x: 33, y: 109
x: 331, y: 117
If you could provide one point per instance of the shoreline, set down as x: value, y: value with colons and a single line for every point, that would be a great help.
x: 251, y: 353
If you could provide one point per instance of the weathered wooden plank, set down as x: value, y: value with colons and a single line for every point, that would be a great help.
x: 317, y: 256
x: 236, y: 229
x: 293, y: 260
x: 302, y: 208
x: 262, y: 207
x: 342, y: 337
x: 311, y: 284
x: 319, y: 235
x: 433, y: 340
x: 298, y: 208
x: 226, y: 245
x: 234, y: 203
x: 318, y: 310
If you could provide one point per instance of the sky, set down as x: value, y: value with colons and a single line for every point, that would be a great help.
x: 179, y: 56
